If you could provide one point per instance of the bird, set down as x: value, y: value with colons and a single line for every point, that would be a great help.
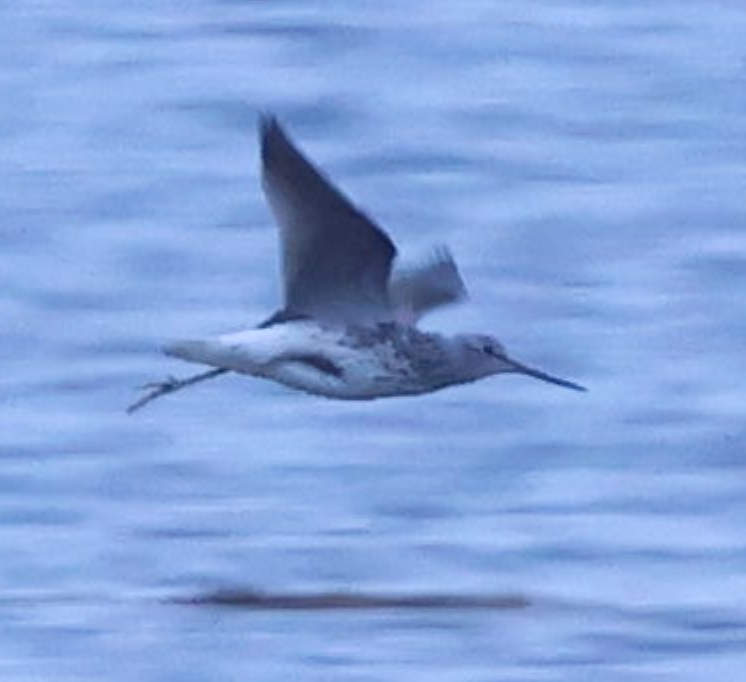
x: 348, y: 325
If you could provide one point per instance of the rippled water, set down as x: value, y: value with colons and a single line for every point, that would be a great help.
x: 585, y: 161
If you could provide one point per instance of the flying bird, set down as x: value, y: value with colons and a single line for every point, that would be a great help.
x: 348, y: 326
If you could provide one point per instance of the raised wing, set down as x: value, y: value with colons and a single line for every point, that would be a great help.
x: 336, y: 262
x: 436, y: 283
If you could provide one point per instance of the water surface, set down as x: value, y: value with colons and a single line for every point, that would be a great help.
x: 585, y: 161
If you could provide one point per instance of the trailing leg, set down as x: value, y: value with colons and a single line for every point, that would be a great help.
x: 171, y: 385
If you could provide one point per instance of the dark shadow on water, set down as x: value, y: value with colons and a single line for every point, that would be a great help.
x: 319, y: 601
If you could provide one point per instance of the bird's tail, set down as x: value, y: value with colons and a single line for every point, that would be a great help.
x: 203, y: 352
x: 217, y: 352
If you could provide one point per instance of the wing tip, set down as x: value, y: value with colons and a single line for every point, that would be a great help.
x: 267, y: 123
x: 444, y: 261
x: 272, y: 137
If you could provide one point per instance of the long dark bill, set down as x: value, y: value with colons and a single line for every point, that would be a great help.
x: 538, y: 374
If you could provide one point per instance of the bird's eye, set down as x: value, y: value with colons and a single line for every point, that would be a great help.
x: 487, y: 350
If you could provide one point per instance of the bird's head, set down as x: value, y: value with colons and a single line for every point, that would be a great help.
x: 483, y: 355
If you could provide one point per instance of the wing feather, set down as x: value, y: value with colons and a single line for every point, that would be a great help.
x: 431, y: 285
x: 336, y: 262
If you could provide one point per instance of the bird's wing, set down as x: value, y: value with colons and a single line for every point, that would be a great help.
x: 435, y: 283
x: 336, y: 262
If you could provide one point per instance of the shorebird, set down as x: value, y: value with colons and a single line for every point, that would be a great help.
x: 348, y: 325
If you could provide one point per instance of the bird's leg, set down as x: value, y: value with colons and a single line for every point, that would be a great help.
x: 170, y: 385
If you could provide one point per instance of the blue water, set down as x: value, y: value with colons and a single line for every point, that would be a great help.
x: 586, y: 161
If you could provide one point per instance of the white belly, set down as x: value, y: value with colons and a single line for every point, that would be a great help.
x: 304, y: 356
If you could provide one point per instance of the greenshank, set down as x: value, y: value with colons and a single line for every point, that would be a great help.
x: 348, y: 325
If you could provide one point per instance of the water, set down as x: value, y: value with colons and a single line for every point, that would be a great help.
x: 584, y: 160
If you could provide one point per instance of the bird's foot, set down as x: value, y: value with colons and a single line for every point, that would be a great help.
x: 156, y: 389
